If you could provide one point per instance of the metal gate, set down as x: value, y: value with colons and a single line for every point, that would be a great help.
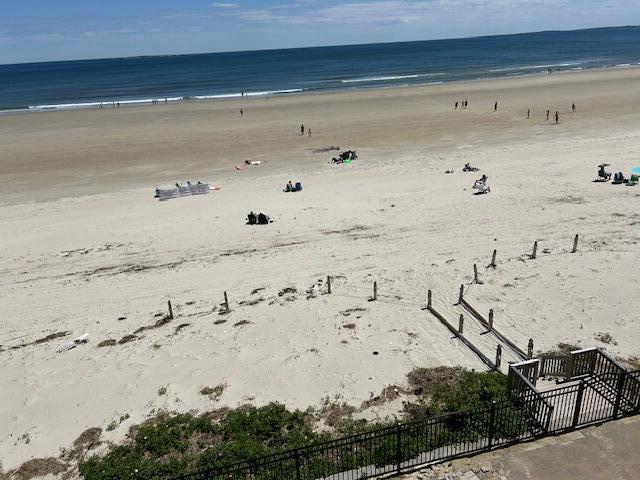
x: 595, y: 399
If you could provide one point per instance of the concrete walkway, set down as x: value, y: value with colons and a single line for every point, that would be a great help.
x: 607, y: 452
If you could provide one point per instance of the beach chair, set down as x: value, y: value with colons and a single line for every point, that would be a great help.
x: 481, y: 187
x: 603, y: 175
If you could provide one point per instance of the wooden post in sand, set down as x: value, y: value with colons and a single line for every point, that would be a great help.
x: 491, y: 319
x: 461, y: 324
x: 575, y: 244
x: 429, y: 298
x: 328, y: 284
x: 493, y: 259
x: 535, y: 250
x: 498, y: 356
x: 170, y: 316
x: 475, y: 273
x: 461, y: 294
x: 226, y: 302
x: 530, y: 349
x: 375, y: 291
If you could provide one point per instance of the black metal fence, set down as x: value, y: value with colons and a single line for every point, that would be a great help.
x: 608, y: 392
x: 393, y: 449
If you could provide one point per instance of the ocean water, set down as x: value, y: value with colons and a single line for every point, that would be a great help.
x: 87, y: 83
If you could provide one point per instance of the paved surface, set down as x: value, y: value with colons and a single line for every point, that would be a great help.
x: 607, y: 452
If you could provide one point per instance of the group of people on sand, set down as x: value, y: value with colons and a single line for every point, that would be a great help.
x: 618, y: 178
x: 463, y: 105
x: 258, y: 219
x: 345, y: 157
x: 480, y: 184
x: 556, y: 116
x: 290, y: 187
x: 302, y: 128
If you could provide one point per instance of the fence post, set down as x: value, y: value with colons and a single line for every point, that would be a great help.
x: 461, y: 324
x: 535, y: 250
x: 429, y: 298
x: 170, y: 317
x: 298, y: 467
x: 398, y: 447
x: 576, y: 412
x: 491, y: 319
x: 619, y: 388
x: 498, y: 356
x: 375, y: 290
x: 475, y: 273
x: 492, y: 424
x: 575, y: 244
x: 547, y: 425
x: 328, y: 284
x: 461, y: 294
x: 493, y: 259
x: 226, y: 302
x: 568, y: 366
x: 530, y: 349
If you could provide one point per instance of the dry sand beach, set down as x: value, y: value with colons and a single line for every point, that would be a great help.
x: 85, y: 248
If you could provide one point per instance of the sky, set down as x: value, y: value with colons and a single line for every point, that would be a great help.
x: 48, y: 30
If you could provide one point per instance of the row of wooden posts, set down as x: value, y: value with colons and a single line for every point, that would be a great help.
x: 226, y: 307
x: 533, y: 256
x: 460, y: 330
x: 460, y: 298
x: 375, y: 283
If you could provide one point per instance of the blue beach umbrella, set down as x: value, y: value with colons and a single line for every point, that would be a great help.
x: 635, y: 170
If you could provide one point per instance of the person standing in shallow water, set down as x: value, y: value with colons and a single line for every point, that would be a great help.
x: 455, y: 107
x: 309, y: 132
x: 557, y: 116
x: 573, y: 107
x: 547, y: 114
x: 528, y: 113
x: 495, y: 107
x: 302, y: 129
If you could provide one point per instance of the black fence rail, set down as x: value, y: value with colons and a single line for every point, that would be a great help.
x: 606, y: 392
x: 391, y: 450
x: 554, y: 365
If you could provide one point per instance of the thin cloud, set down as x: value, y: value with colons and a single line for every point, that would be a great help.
x: 390, y: 12
x: 224, y: 5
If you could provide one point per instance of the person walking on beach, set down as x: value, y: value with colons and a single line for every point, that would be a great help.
x: 528, y: 113
x: 309, y: 132
x: 557, y: 116
x: 495, y: 107
x: 547, y: 115
x: 302, y: 129
x: 241, y: 112
x: 573, y: 107
x: 465, y: 104
x: 455, y: 107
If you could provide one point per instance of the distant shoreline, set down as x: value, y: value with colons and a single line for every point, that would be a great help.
x: 127, y: 103
x: 274, y: 73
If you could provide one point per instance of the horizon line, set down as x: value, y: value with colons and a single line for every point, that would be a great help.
x: 160, y: 55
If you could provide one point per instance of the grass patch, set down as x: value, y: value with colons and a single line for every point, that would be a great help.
x: 172, y: 445
x: 446, y: 390
x: 177, y: 444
